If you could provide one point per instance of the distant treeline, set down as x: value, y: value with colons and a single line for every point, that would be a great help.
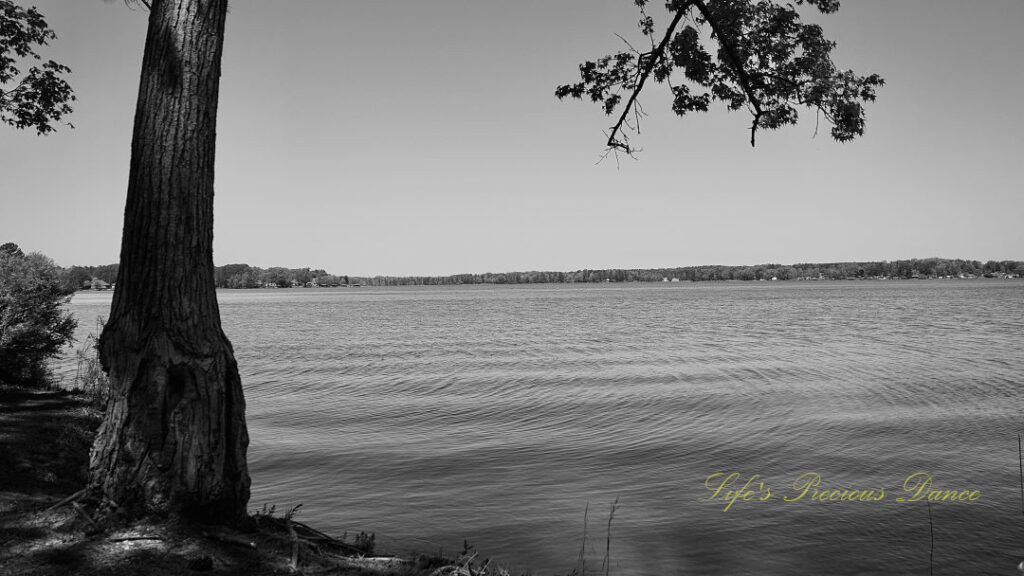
x: 228, y: 276
x: 246, y: 276
x: 915, y: 268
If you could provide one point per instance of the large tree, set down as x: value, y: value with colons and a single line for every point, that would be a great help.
x: 174, y: 437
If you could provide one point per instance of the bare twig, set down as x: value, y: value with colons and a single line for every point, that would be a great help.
x: 613, y: 150
x: 468, y: 563
x: 638, y: 111
x: 628, y: 44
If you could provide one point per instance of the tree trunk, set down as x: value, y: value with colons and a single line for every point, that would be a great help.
x: 174, y: 438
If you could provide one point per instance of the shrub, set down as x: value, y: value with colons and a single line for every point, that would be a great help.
x: 34, y: 326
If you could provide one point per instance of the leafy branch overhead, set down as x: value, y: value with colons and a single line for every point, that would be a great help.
x: 762, y: 58
x: 40, y: 96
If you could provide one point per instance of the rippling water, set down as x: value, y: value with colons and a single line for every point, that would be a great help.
x: 499, y: 414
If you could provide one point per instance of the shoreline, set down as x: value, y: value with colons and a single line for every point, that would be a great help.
x: 48, y: 523
x: 732, y: 282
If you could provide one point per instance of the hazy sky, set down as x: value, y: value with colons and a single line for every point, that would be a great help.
x: 422, y: 137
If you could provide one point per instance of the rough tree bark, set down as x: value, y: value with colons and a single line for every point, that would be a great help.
x: 174, y: 437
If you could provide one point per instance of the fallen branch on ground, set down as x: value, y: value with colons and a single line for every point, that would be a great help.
x: 74, y: 497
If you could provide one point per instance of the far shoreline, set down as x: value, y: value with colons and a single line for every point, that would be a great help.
x: 978, y: 279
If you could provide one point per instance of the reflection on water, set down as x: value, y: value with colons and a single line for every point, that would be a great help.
x: 496, y: 414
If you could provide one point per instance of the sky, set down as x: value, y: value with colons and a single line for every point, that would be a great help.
x: 415, y: 137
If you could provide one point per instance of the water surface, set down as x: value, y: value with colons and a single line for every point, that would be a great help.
x: 499, y: 414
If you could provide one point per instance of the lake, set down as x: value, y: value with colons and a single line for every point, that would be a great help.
x: 505, y: 415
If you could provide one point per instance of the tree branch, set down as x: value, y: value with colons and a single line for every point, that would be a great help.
x: 21, y: 87
x: 737, y: 64
x: 626, y: 42
x: 656, y: 55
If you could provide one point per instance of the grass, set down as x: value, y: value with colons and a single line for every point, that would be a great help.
x: 90, y: 379
x: 581, y: 561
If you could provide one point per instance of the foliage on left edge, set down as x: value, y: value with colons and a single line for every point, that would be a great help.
x: 34, y: 325
x: 40, y: 96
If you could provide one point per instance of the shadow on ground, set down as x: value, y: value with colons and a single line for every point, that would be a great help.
x: 45, y: 436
